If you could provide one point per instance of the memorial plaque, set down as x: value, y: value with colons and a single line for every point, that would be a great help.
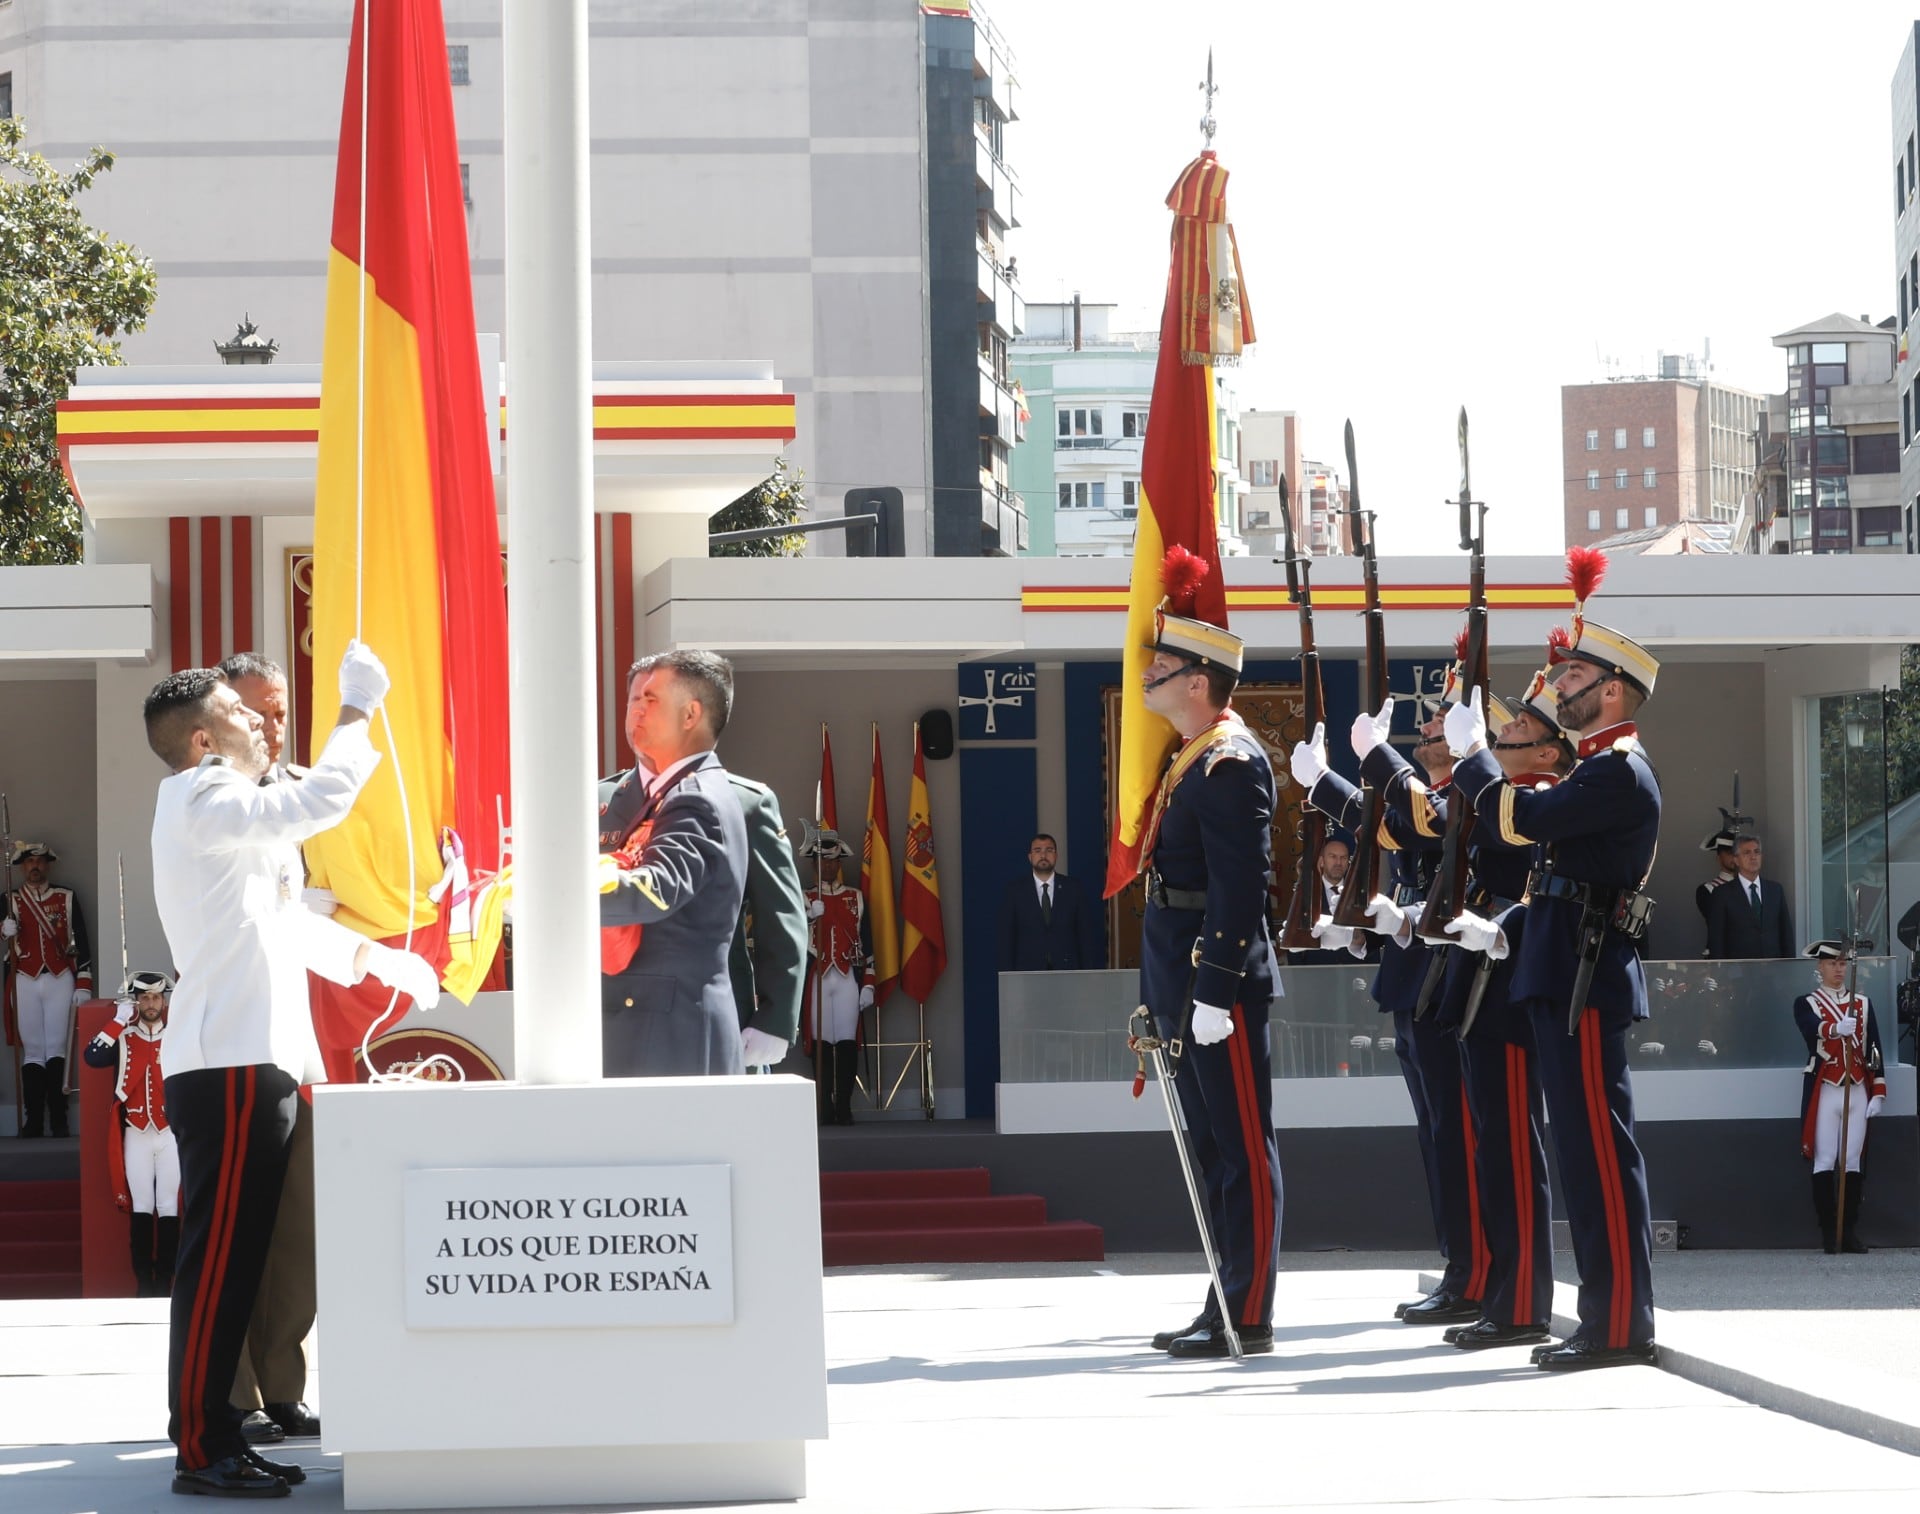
x: 538, y: 1247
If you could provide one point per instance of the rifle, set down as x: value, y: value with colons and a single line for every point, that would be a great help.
x: 1304, y: 907
x: 1447, y: 898
x: 1363, y: 873
x: 1859, y: 1037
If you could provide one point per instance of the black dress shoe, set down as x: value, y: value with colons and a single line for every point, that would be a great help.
x: 1578, y: 1353
x: 1487, y: 1333
x: 1211, y: 1341
x: 1165, y: 1339
x: 1453, y: 1332
x: 289, y: 1472
x: 260, y: 1429
x: 1441, y: 1309
x: 1854, y: 1246
x: 295, y: 1419
x: 233, y: 1477
x: 1400, y: 1310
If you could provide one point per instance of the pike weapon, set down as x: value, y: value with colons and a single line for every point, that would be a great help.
x: 1145, y: 1043
x: 6, y: 964
x: 120, y: 861
x: 1851, y: 1045
x: 1296, y: 934
x: 1363, y: 873
x: 1447, y: 898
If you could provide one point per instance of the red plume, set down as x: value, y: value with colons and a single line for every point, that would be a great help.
x: 1460, y: 645
x: 1586, y: 567
x: 1181, y: 574
x: 1559, y: 639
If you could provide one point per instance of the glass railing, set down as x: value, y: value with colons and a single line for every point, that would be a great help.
x: 1072, y: 1027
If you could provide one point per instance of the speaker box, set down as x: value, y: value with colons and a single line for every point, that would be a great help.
x: 936, y: 735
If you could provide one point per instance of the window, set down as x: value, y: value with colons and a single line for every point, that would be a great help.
x: 1619, y: 478
x: 466, y: 185
x: 1646, y: 436
x: 457, y: 63
x: 1099, y: 494
x: 1651, y: 515
x: 1647, y: 477
x: 1620, y: 518
x: 1900, y: 186
x: 1593, y: 441
x: 1879, y: 526
x: 6, y: 96
x: 1593, y: 520
x: 1619, y: 437
x: 1264, y: 471
x: 1080, y: 428
x: 1876, y: 454
x: 1134, y: 423
x: 1593, y: 478
x: 1129, y: 495
x: 1066, y: 496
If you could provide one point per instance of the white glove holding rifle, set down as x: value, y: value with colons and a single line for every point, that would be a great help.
x: 1370, y: 731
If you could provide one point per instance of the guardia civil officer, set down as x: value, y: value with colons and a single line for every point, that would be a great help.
x: 1577, y: 969
x: 1204, y: 945
x: 1845, y: 1083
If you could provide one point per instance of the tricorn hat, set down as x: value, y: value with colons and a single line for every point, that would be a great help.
x: 1826, y: 949
x: 825, y: 843
x: 146, y: 983
x: 25, y: 849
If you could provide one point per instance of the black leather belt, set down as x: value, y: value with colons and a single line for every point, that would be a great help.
x: 1173, y: 898
x: 1541, y: 885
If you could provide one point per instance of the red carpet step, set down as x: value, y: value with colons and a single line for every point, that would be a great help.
x: 40, y: 1239
x: 943, y: 1215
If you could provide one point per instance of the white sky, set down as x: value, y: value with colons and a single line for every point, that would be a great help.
x: 1469, y: 203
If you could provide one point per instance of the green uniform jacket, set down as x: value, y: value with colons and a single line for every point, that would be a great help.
x: 769, y: 979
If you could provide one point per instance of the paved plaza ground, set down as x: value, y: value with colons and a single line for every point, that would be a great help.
x: 1029, y: 1388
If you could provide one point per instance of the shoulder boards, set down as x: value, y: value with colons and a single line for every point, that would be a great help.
x: 1426, y: 819
x: 1224, y: 751
x: 1509, y: 832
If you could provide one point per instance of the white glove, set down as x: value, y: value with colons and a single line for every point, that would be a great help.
x: 1370, y: 731
x: 1653, y: 1048
x: 363, y: 680
x: 123, y: 1012
x: 1387, y: 917
x: 1210, y: 1024
x: 758, y: 1049
x: 1846, y: 1025
x: 1309, y: 761
x: 9, y: 927
x: 1874, y: 1103
x: 1466, y: 726
x: 322, y: 901
x: 1709, y: 1048
x: 1479, y: 935
x: 1710, y: 985
x: 82, y: 996
x: 866, y: 998
x: 1330, y: 935
x: 411, y: 975
x: 1361, y: 1043
x: 815, y: 909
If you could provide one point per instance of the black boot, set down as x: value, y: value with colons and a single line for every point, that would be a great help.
x: 33, y: 1099
x: 1823, y: 1211
x: 846, y: 1062
x: 1850, y: 1241
x: 57, y: 1096
x: 166, y: 1246
x: 823, y: 1065
x: 140, y: 1235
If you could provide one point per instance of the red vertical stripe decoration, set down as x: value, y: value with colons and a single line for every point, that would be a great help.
x: 1606, y: 1159
x: 603, y: 706
x: 624, y: 649
x: 180, y: 591
x: 1259, y: 1175
x: 210, y: 582
x: 1482, y: 1259
x: 241, y: 579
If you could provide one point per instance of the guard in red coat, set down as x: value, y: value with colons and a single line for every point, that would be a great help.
x: 144, y: 1165
x: 52, y: 975
x: 839, y: 977
x: 1845, y: 1087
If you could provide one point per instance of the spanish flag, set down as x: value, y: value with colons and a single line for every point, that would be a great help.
x: 1205, y: 320
x: 876, y: 882
x: 406, y: 532
x: 923, y: 947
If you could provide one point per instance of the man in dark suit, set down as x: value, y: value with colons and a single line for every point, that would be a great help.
x: 1046, y: 923
x: 672, y: 888
x: 768, y: 959
x: 1748, y: 916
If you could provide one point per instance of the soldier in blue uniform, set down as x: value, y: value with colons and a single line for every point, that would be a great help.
x: 1429, y: 1053
x: 1577, y: 970
x: 1206, y: 967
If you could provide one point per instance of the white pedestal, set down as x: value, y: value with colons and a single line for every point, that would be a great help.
x: 580, y: 1413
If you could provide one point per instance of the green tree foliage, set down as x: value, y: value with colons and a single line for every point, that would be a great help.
x: 776, y: 501
x: 1850, y: 777
x: 67, y: 291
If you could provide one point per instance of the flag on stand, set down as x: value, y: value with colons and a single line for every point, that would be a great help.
x: 406, y: 539
x: 825, y: 809
x: 876, y: 882
x: 923, y: 946
x: 1205, y: 321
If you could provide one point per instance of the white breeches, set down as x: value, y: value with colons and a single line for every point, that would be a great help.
x: 45, y: 1003
x: 1826, y: 1128
x: 153, y: 1171
x: 839, y: 1006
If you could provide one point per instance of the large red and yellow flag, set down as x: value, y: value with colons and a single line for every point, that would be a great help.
x: 1205, y: 320
x: 876, y: 882
x: 406, y: 532
x: 923, y: 946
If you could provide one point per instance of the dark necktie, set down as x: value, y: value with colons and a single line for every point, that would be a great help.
x: 1753, y: 893
x: 1046, y: 904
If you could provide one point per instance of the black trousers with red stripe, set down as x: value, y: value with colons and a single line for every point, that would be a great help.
x: 1603, y: 1179
x: 234, y: 1126
x: 1516, y: 1200
x: 1226, y: 1099
x: 1453, y: 1185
